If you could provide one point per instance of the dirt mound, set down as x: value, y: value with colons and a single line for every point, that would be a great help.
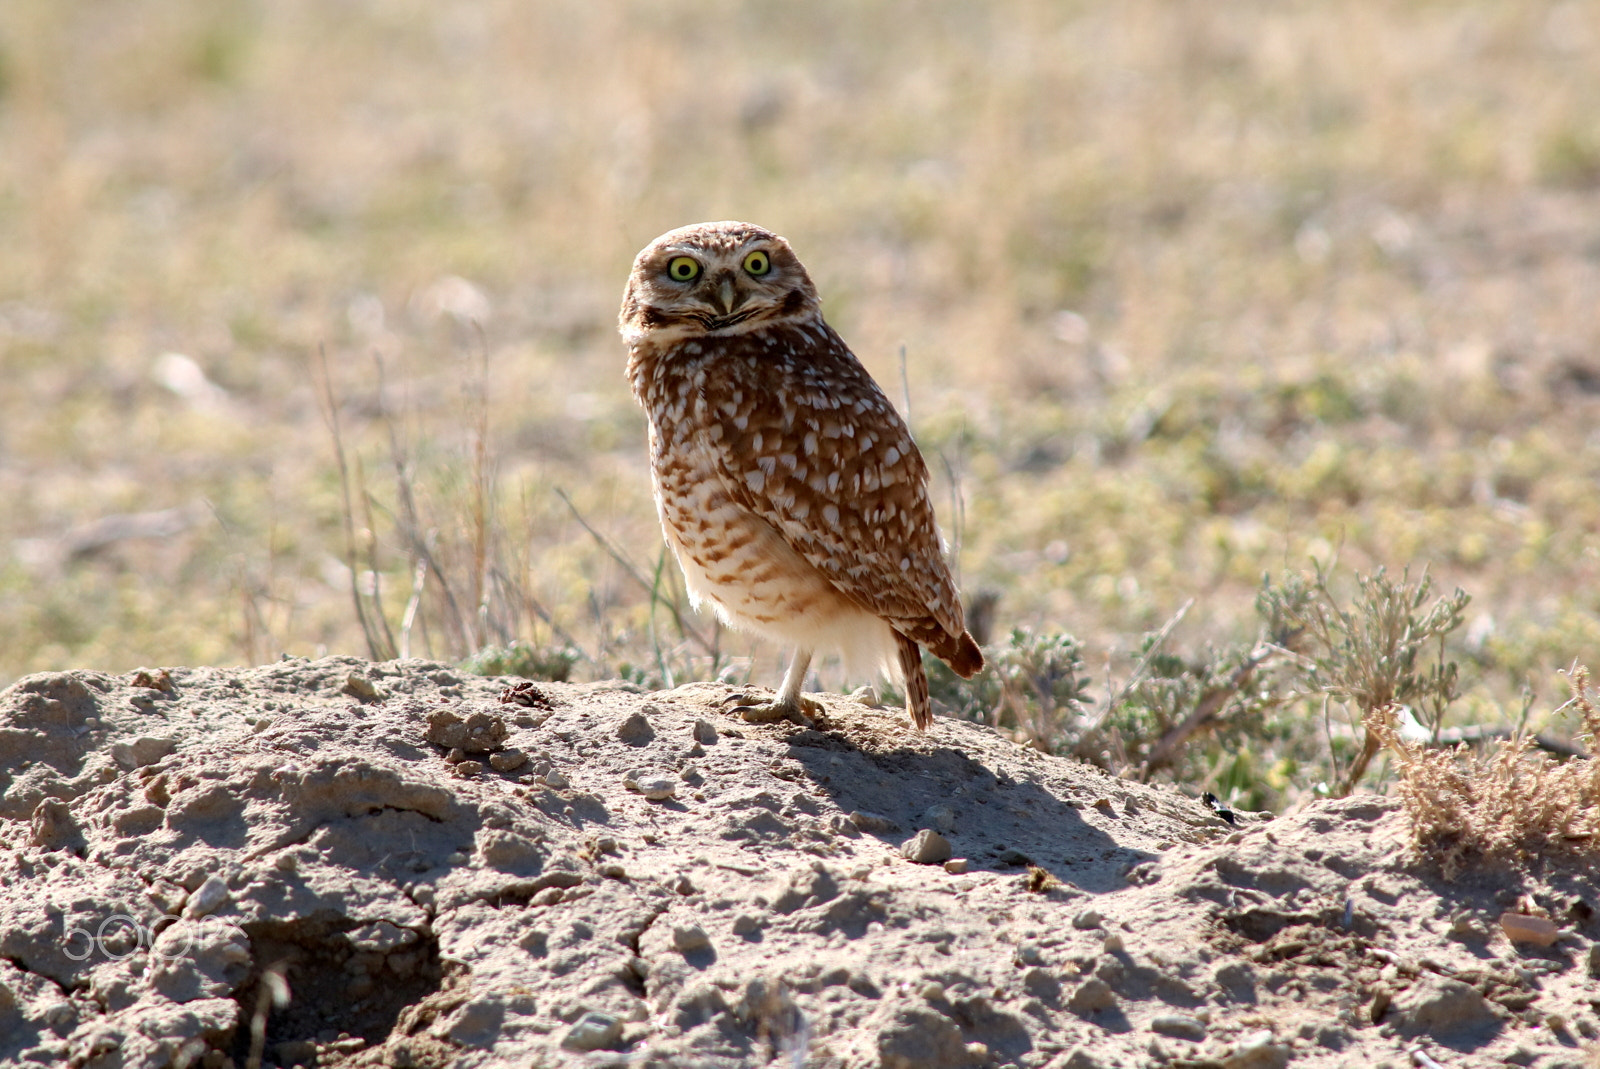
x: 339, y: 863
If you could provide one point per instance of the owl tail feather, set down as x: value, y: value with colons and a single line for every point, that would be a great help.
x: 967, y: 660
x: 918, y: 702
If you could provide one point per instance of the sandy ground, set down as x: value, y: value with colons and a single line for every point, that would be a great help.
x: 340, y: 863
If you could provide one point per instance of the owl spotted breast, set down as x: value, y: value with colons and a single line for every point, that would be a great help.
x: 788, y: 486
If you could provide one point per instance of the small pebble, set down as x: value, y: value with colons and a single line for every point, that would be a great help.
x: 556, y: 780
x: 1093, y: 994
x: 705, y: 732
x: 871, y: 821
x: 207, y: 898
x: 687, y: 938
x: 144, y: 750
x: 636, y: 730
x: 1257, y: 1051
x: 927, y: 847
x: 507, y: 760
x: 655, y: 788
x: 1179, y: 1026
x: 1521, y: 928
x: 941, y: 818
x: 593, y: 1031
x: 956, y: 866
x: 1112, y: 944
x: 744, y: 924
x: 1087, y: 919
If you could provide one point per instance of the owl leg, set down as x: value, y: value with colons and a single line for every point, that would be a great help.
x: 790, y: 704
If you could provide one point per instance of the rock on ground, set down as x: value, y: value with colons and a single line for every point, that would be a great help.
x: 339, y: 863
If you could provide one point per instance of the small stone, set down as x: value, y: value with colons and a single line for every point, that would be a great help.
x: 613, y: 871
x: 1258, y: 1050
x: 1382, y: 998
x: 1594, y: 959
x: 1079, y: 1058
x: 53, y: 826
x: 705, y: 732
x: 1439, y: 1004
x: 687, y: 938
x: 1088, y: 918
x: 941, y: 818
x: 1179, y: 1026
x: 1042, y: 983
x: 468, y: 769
x: 656, y: 788
x: 359, y: 686
x: 872, y: 822
x: 1091, y: 995
x: 207, y: 898
x: 636, y: 730
x: 1521, y: 928
x: 932, y: 991
x: 1029, y: 954
x: 744, y: 924
x: 1112, y: 944
x: 927, y: 847
x: 956, y: 866
x: 142, y: 751
x: 507, y: 760
x: 478, y: 733
x: 593, y: 1031
x: 556, y: 781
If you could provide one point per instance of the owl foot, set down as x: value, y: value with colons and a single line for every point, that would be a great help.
x: 799, y: 711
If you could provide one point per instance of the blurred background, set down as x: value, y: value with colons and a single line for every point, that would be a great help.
x: 1175, y: 294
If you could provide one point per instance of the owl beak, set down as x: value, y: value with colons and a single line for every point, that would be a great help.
x: 725, y: 296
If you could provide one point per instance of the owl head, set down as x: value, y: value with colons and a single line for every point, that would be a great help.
x: 714, y: 278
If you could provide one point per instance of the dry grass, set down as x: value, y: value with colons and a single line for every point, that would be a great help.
x: 1188, y: 293
x: 1509, y: 805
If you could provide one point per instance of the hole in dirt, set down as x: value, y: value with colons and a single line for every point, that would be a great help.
x: 341, y: 980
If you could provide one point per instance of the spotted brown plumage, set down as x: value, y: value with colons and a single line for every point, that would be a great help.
x: 788, y: 487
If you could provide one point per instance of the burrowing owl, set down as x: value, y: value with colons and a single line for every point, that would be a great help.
x: 788, y: 486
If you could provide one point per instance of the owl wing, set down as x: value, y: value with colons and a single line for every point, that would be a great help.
x: 802, y: 437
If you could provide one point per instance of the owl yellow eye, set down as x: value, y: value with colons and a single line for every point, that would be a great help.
x: 683, y: 269
x: 758, y: 263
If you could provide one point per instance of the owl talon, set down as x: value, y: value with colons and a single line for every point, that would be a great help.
x: 799, y: 711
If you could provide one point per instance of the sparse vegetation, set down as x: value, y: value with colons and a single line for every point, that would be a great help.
x: 1508, y: 805
x: 1187, y: 295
